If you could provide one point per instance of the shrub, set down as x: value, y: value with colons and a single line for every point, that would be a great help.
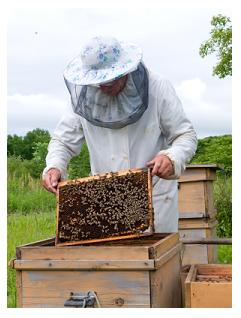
x: 223, y: 204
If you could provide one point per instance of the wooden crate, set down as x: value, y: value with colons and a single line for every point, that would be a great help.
x: 196, y: 191
x: 183, y: 274
x: 209, y: 286
x: 105, y: 207
x: 198, y: 229
x: 141, y: 272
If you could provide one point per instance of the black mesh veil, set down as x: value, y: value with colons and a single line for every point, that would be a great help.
x: 112, y: 112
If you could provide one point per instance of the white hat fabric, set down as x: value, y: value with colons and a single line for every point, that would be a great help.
x: 102, y: 60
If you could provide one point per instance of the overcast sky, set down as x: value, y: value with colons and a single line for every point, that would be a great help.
x: 41, y: 43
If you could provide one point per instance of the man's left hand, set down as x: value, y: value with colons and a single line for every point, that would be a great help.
x: 161, y: 166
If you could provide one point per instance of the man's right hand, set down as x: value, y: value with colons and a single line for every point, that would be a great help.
x: 51, y: 180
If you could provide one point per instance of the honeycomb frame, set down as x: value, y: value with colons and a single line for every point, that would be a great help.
x: 137, y: 225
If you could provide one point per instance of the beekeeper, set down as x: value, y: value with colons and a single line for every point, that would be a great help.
x: 129, y: 118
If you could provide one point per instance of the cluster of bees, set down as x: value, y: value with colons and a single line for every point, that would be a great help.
x: 104, y: 207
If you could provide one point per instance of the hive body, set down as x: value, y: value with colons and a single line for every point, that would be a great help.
x: 103, y: 207
x: 134, y: 273
x: 197, y: 213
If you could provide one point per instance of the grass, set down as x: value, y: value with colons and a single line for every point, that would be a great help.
x: 23, y: 229
x: 225, y: 254
x: 26, y: 195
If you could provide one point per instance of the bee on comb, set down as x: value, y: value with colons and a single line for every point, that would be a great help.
x: 105, y: 207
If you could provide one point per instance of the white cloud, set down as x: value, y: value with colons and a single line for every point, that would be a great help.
x: 207, y: 116
x: 27, y: 112
x: 192, y: 89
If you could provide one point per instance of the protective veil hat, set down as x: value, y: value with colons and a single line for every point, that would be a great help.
x: 101, y: 60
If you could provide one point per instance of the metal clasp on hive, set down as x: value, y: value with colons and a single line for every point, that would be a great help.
x: 81, y: 300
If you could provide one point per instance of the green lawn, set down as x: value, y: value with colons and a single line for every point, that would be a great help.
x: 24, y: 229
x: 225, y: 254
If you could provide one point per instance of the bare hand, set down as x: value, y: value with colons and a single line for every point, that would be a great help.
x: 51, y: 180
x: 161, y: 166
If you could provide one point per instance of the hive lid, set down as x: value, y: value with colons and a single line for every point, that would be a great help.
x: 105, y: 207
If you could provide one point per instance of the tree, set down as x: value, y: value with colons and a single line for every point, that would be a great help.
x: 32, y: 138
x: 220, y: 43
x: 215, y: 149
x: 37, y: 163
x: 15, y: 146
x: 24, y: 146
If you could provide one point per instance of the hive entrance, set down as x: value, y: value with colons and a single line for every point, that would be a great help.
x: 105, y: 207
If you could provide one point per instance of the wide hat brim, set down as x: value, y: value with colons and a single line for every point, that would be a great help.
x: 79, y: 74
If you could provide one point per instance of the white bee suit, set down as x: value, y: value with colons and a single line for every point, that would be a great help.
x: 162, y: 129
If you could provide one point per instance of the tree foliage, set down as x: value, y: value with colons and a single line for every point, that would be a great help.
x: 24, y: 147
x: 220, y: 42
x: 223, y: 204
x: 33, y: 148
x: 216, y: 149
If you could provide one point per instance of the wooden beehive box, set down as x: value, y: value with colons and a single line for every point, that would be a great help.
x: 209, y: 286
x: 196, y: 191
x: 105, y: 207
x: 198, y: 229
x: 140, y: 272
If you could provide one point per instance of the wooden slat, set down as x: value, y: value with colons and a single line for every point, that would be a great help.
x: 86, y: 253
x: 97, y: 177
x: 107, y: 239
x: 19, y: 288
x: 212, y: 249
x: 195, y: 199
x: 54, y: 265
x: 133, y: 287
x: 190, y: 278
x: 191, y: 197
x: 211, y: 295
x: 188, y: 215
x: 193, y: 254
x: 46, y: 242
x: 134, y: 249
x: 151, y: 209
x: 197, y: 174
x: 196, y: 223
x: 198, y: 253
x: 168, y: 255
x: 161, y: 247
x: 214, y: 269
x: 183, y: 274
x: 166, y: 285
x: 209, y: 199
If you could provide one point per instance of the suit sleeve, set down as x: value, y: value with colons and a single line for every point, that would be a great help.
x: 66, y: 142
x: 180, y: 134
